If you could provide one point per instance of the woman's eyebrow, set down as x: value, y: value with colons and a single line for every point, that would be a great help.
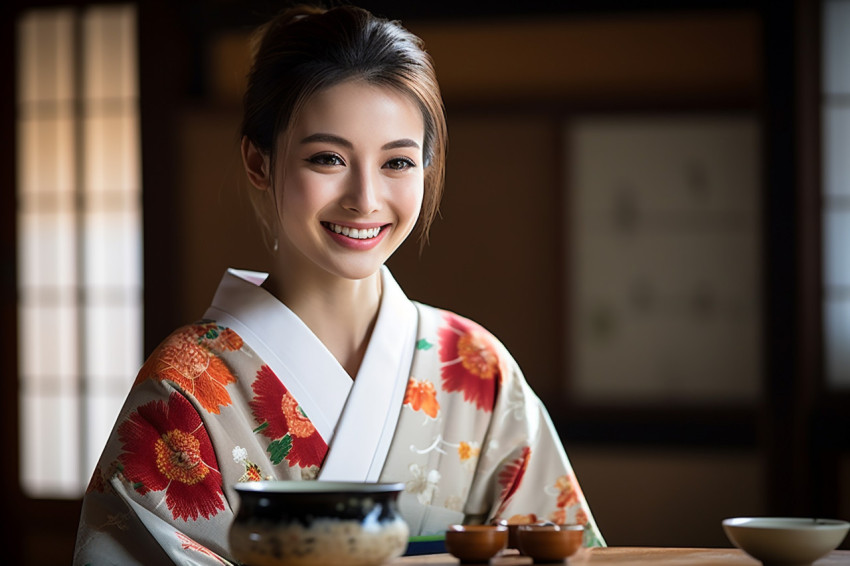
x: 328, y: 138
x: 404, y: 142
x: 337, y: 140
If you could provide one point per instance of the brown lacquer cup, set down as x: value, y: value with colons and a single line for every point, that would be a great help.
x: 476, y: 544
x: 549, y: 543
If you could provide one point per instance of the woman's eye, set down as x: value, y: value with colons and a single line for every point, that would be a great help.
x: 327, y: 159
x: 400, y: 163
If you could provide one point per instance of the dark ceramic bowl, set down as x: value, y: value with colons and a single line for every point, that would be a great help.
x: 317, y: 523
x: 549, y: 543
x: 476, y: 544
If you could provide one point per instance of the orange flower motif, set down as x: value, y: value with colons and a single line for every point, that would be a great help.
x: 252, y: 470
x: 299, y: 425
x: 421, y: 395
x: 220, y: 338
x: 581, y: 517
x: 252, y: 473
x: 559, y: 516
x: 188, y: 359
x: 466, y: 451
x: 470, y: 361
x: 567, y: 493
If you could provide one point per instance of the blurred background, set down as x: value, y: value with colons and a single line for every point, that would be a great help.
x: 646, y: 201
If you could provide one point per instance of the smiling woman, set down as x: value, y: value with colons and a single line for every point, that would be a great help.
x: 354, y: 167
x: 323, y: 369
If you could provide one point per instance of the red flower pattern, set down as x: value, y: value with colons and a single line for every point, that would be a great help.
x: 294, y: 437
x: 470, y: 361
x: 510, y: 478
x: 97, y: 483
x: 166, y: 447
x: 188, y: 544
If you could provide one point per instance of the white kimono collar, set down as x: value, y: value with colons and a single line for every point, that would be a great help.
x: 357, y: 419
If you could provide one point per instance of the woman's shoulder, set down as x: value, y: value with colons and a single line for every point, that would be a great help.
x: 444, y: 314
x: 466, y: 347
x: 202, y: 342
x: 442, y: 318
x: 208, y: 332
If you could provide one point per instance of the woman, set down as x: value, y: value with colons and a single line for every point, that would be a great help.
x: 324, y: 369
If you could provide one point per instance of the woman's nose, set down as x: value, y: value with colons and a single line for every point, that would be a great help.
x: 362, y: 191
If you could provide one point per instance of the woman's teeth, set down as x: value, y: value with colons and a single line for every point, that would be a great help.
x: 363, y: 234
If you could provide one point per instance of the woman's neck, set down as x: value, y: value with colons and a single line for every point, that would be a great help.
x: 340, y: 312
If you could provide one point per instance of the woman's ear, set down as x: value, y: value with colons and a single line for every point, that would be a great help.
x: 256, y: 165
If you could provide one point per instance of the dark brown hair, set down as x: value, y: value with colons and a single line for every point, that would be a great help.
x: 306, y: 49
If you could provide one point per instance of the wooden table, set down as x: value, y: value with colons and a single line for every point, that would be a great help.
x: 636, y: 556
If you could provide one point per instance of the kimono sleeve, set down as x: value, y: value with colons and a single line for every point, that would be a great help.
x: 524, y: 474
x: 117, y: 530
x: 156, y: 495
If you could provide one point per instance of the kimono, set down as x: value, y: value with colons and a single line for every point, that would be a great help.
x: 250, y: 393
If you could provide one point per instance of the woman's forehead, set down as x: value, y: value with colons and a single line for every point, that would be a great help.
x: 359, y: 109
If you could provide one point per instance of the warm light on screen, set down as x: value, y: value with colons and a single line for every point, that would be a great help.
x: 79, y: 238
x: 836, y: 188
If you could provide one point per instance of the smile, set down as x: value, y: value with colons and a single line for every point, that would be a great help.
x: 361, y: 234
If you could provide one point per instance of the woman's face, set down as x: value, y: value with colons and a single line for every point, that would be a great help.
x: 351, y: 179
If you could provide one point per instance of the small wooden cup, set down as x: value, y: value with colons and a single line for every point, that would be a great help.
x: 513, y: 541
x: 549, y: 543
x: 476, y: 544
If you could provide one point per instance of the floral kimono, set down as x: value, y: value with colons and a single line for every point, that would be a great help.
x: 250, y: 393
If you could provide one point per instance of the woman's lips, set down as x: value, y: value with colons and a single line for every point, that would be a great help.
x: 359, y: 237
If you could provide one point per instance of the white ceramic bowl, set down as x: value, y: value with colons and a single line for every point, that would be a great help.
x: 785, y: 541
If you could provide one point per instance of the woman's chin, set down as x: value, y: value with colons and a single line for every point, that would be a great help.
x: 355, y: 270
